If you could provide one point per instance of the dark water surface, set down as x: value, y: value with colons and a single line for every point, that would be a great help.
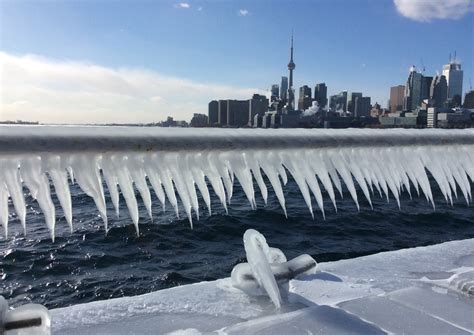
x: 87, y: 265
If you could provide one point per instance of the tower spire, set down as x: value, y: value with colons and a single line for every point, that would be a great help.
x: 291, y: 67
x: 291, y: 53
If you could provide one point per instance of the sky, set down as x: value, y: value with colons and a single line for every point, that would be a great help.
x: 140, y: 61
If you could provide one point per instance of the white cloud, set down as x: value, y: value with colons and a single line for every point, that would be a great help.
x: 199, y: 9
x: 427, y: 10
x: 184, y: 5
x: 39, y: 89
x: 243, y: 12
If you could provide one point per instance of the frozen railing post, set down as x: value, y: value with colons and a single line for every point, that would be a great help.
x: 29, y: 319
x: 267, y: 268
x: 179, y: 163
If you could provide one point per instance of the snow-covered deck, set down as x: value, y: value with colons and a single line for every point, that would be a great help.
x: 425, y: 290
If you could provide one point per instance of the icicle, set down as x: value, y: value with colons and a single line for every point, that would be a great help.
x: 253, y: 161
x: 154, y: 179
x: 4, y: 207
x: 111, y: 181
x: 272, y: 174
x: 11, y: 177
x: 195, y: 163
x: 87, y: 176
x: 58, y: 175
x: 290, y: 163
x: 137, y: 174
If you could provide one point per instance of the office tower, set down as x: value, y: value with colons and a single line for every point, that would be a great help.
x: 439, y: 91
x: 454, y: 76
x: 258, y: 105
x: 291, y: 67
x: 237, y: 113
x: 222, y: 113
x: 362, y: 106
x: 275, y: 91
x: 338, y: 102
x: 412, y: 97
x: 469, y: 100
x: 396, y: 98
x: 351, y: 101
x: 213, y: 112
x: 425, y: 87
x: 321, y: 94
x: 284, y: 88
x: 305, y: 101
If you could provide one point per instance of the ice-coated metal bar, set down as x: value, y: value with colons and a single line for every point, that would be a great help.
x: 24, y: 139
x: 178, y: 163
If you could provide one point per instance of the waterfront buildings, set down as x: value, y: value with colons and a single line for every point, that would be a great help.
x: 362, y: 106
x: 338, y: 102
x: 213, y: 114
x: 275, y: 92
x: 454, y: 77
x: 439, y: 91
x: 199, y: 120
x: 321, y: 94
x: 305, y: 100
x: 284, y: 89
x: 413, y: 90
x: 396, y: 98
x: 469, y: 100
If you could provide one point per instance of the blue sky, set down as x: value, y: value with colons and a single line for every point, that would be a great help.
x: 194, y: 51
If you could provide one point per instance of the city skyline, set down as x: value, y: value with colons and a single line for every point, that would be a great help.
x: 87, y: 81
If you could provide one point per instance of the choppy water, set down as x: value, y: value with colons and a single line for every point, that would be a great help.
x: 87, y: 265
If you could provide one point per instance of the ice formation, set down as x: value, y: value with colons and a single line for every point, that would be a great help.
x: 267, y: 268
x: 178, y: 163
x: 29, y: 319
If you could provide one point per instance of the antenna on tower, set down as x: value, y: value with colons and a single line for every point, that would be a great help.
x: 470, y: 85
x: 454, y: 56
x: 450, y: 57
x: 422, y: 66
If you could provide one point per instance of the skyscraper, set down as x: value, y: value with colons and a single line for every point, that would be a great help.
x: 305, y: 101
x: 321, y: 94
x: 291, y: 67
x: 284, y: 88
x: 258, y: 105
x: 275, y: 92
x: 425, y: 87
x: 469, y: 100
x: 362, y: 106
x: 338, y: 102
x: 222, y: 112
x: 439, y: 91
x: 351, y: 101
x: 396, y: 98
x: 454, y: 75
x: 413, y: 90
x: 213, y: 112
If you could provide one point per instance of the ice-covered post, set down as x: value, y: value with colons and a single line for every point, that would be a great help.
x: 267, y: 268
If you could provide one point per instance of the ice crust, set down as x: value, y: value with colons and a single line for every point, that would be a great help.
x: 381, y: 293
x: 213, y: 159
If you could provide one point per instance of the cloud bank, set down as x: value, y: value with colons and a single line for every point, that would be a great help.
x: 427, y: 10
x: 35, y: 88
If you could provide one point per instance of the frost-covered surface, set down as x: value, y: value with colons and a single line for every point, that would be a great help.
x: 384, y: 293
x: 179, y: 163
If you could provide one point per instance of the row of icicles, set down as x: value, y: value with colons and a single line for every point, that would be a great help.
x: 375, y: 169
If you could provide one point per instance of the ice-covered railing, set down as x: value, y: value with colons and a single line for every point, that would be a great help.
x: 181, y: 162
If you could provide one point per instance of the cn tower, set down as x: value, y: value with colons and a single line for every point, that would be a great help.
x: 291, y: 67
